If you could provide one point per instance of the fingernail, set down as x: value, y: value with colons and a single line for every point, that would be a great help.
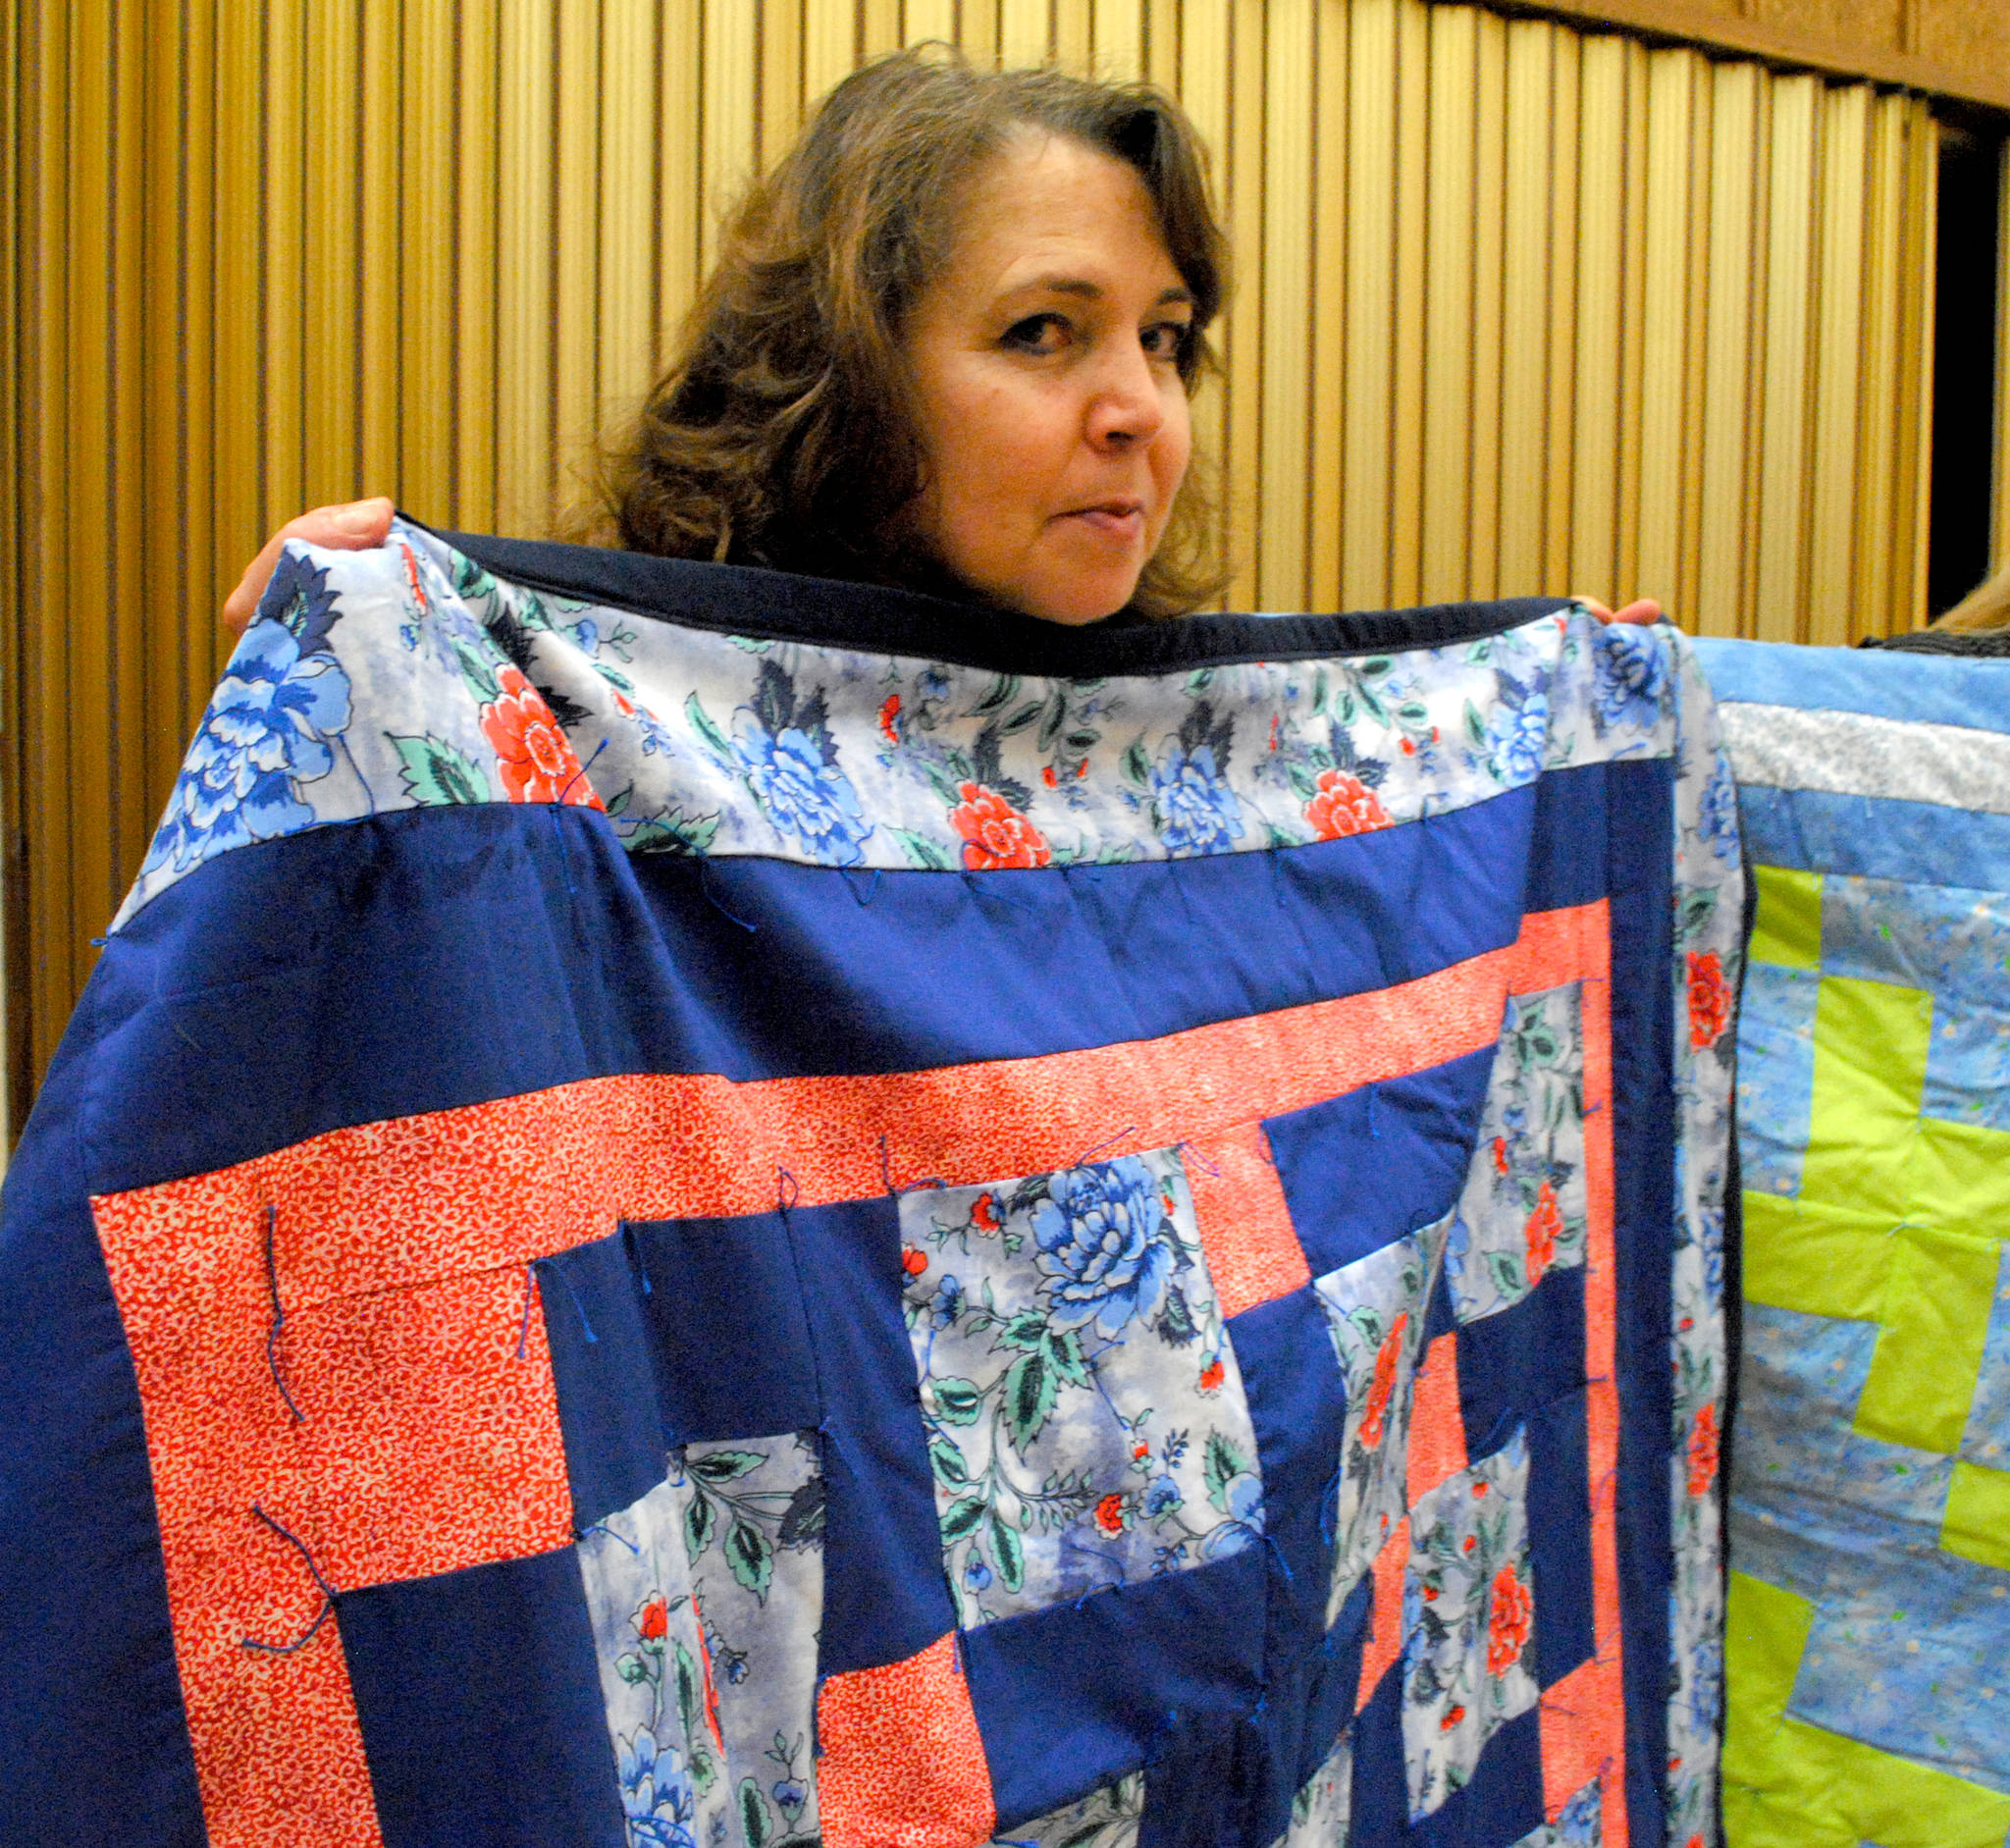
x: 357, y: 517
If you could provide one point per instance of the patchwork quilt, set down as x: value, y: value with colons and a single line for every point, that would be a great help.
x: 1868, y: 1630
x: 692, y: 1207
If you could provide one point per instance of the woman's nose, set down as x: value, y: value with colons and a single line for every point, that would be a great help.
x: 1125, y: 407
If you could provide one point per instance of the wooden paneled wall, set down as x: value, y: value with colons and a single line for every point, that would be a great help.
x: 1521, y: 308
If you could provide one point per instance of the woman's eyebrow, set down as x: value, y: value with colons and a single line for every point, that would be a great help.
x: 1087, y: 290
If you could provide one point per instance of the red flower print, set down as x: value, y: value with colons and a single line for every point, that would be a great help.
x: 1703, y: 1444
x: 536, y: 757
x: 889, y: 719
x: 1140, y: 1452
x: 1710, y: 999
x: 654, y: 1623
x: 912, y: 1261
x: 1453, y: 1716
x: 994, y: 833
x: 1430, y: 1594
x: 1212, y: 1375
x: 1047, y: 777
x: 1111, y: 1515
x: 1508, y: 1620
x: 1344, y: 805
x: 984, y: 1215
x: 1500, y: 1154
x: 411, y: 573
x: 711, y: 1725
x: 1387, y: 1360
x: 1273, y: 731
x: 1410, y: 749
x: 1479, y: 1490
x: 1538, y: 1236
x: 1469, y: 1542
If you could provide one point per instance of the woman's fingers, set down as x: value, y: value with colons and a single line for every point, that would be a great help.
x: 1641, y: 610
x: 355, y: 526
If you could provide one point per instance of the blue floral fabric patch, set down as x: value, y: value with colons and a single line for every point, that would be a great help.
x: 706, y: 1597
x: 1375, y: 1312
x: 1085, y: 1412
x: 1469, y: 1622
x: 1522, y: 1212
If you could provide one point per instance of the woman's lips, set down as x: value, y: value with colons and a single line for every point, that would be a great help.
x: 1115, y: 519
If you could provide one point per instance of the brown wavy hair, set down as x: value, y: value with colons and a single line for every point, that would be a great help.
x: 782, y: 436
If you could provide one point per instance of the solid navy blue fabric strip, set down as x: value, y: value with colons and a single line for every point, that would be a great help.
x: 588, y: 964
x: 742, y: 600
x: 1073, y: 1696
x: 885, y: 1596
x: 1877, y: 837
x: 1414, y: 1134
x: 1640, y: 857
x: 86, y: 1650
x: 500, y: 1655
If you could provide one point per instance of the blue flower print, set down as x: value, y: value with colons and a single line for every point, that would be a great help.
x: 1716, y: 820
x: 1630, y: 676
x: 1161, y: 1497
x: 1106, y: 1245
x: 1518, y: 735
x: 1197, y: 811
x: 800, y: 791
x: 657, y: 1795
x: 946, y: 1304
x: 268, y: 729
x: 1193, y: 807
x: 976, y: 1573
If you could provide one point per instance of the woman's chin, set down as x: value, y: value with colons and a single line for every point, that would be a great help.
x: 1076, y: 602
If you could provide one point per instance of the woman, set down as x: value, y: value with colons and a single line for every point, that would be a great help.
x: 950, y: 344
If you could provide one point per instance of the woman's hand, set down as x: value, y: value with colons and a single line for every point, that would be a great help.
x: 356, y: 526
x: 1642, y: 610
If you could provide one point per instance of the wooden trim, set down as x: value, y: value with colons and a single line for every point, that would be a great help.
x: 1710, y: 29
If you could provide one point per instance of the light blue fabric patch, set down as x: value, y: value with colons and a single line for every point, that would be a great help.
x: 1799, y: 1463
x: 1914, y: 1664
x: 1924, y: 688
x: 1776, y: 1074
x: 1882, y: 840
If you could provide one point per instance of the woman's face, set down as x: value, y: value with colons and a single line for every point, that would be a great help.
x: 1053, y: 419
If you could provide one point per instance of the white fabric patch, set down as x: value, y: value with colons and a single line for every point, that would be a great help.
x: 1857, y: 754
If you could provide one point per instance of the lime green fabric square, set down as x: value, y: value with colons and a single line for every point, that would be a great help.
x: 1870, y: 1042
x: 1978, y: 1521
x: 1823, y: 1260
x: 1938, y: 1288
x: 1787, y: 923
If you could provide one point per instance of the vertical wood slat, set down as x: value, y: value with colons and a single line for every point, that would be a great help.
x: 1781, y: 614
x: 1524, y: 301
x: 1838, y: 353
x: 424, y: 390
x: 1284, y: 361
x: 1521, y: 307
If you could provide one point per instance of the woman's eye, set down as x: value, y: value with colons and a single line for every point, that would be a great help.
x: 1168, y: 340
x: 1037, y: 333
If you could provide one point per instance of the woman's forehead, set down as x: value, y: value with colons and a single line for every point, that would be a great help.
x: 1047, y: 208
